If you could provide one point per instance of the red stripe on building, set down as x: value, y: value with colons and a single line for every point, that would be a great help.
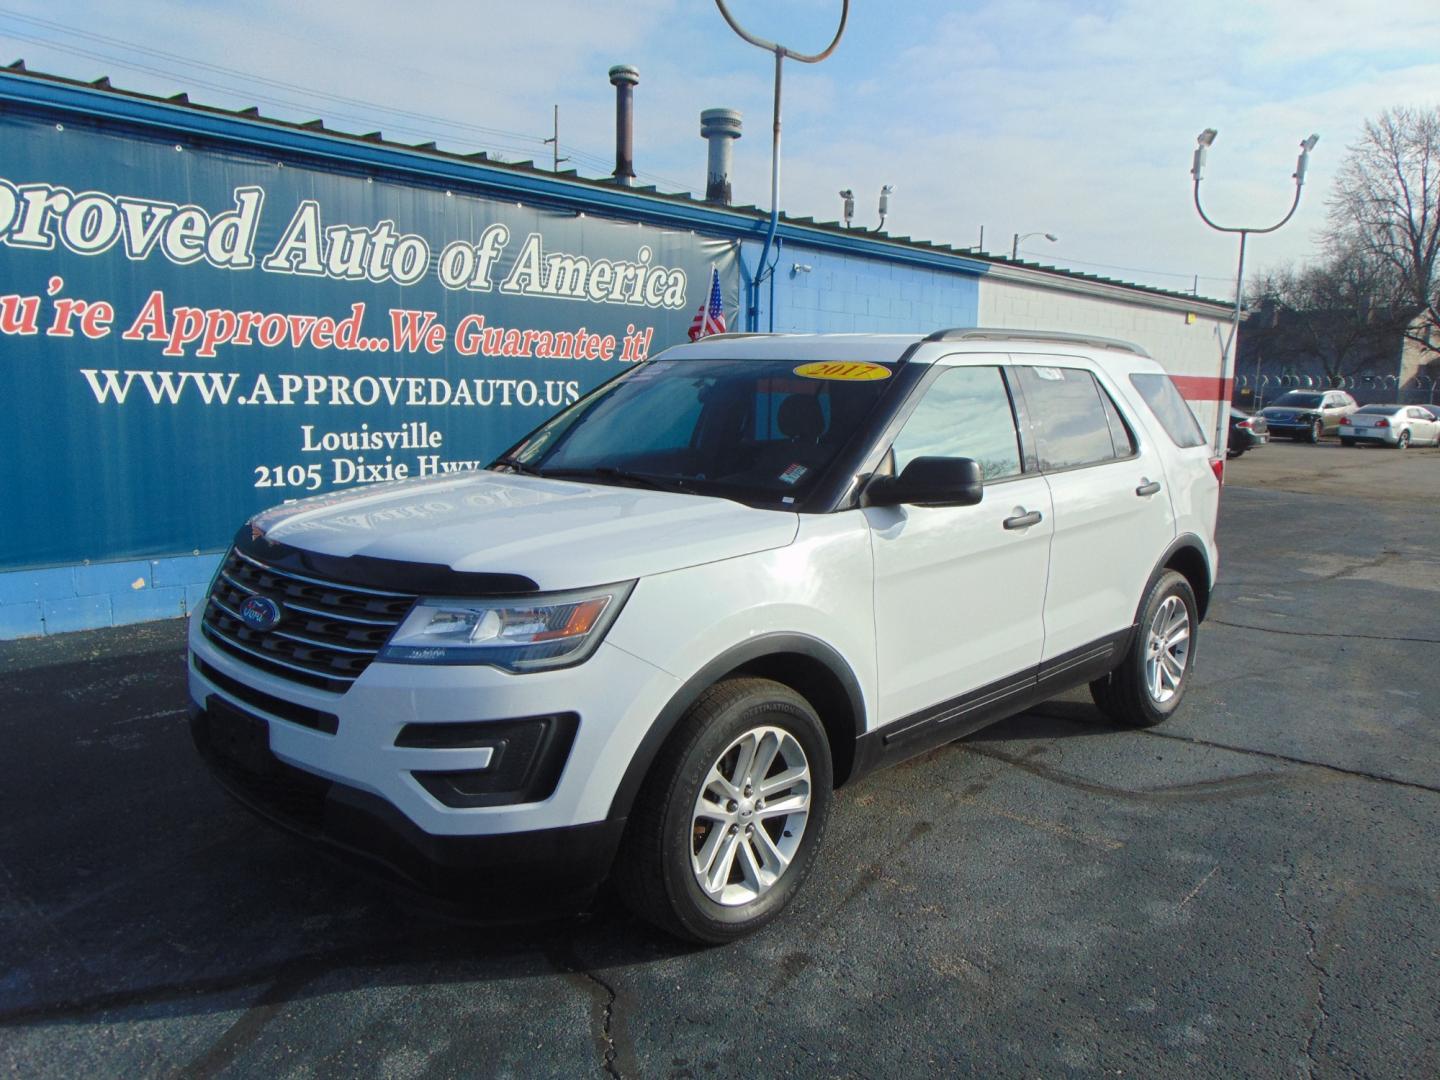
x: 1204, y: 387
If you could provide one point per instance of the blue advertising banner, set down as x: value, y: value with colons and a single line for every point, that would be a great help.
x: 188, y: 335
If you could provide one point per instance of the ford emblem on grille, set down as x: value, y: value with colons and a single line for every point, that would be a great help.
x: 260, y: 613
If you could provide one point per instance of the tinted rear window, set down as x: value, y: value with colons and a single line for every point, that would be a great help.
x: 1071, y: 418
x: 1169, y: 408
x: 1381, y: 410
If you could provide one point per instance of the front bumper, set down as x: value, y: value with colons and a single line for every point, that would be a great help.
x: 340, y: 752
x: 1298, y: 427
x: 366, y: 831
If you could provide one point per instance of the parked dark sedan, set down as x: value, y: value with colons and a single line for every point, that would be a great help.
x: 1246, y: 432
x: 1308, y: 414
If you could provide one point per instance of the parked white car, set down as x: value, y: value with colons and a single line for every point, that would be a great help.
x: 1399, y: 426
x: 654, y: 636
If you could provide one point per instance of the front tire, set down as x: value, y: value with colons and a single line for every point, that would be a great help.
x: 1317, y: 431
x: 1150, y: 682
x: 727, y: 825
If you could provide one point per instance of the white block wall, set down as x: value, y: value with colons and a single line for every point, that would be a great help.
x: 1156, y: 324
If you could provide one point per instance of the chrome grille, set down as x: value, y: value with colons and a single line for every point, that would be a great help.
x: 327, y: 636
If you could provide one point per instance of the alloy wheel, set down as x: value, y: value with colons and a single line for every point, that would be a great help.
x: 1167, y: 649
x: 750, y: 816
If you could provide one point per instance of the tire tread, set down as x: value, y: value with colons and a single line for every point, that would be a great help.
x: 636, y: 874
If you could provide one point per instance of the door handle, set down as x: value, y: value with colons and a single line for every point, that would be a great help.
x: 1023, y: 521
x: 1150, y: 487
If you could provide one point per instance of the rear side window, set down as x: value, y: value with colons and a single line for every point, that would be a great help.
x: 1169, y: 408
x: 1071, y: 416
x: 1121, y: 437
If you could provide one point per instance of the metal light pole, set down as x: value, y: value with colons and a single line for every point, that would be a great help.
x: 1203, y: 143
x: 1015, y: 244
x: 762, y: 271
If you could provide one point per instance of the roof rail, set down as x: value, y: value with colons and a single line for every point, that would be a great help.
x: 971, y: 333
x: 731, y: 335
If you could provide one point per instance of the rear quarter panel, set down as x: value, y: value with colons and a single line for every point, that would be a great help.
x: 1194, y: 490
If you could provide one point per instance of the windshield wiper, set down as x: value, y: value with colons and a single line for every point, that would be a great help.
x: 625, y: 476
x: 516, y: 465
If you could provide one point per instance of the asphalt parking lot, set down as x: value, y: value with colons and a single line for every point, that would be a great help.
x: 1253, y: 889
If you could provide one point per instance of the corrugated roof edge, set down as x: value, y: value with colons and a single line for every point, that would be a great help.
x: 569, y: 190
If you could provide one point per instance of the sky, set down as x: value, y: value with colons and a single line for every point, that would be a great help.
x: 1015, y: 116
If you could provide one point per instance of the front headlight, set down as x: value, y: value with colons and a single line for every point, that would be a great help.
x: 529, y: 633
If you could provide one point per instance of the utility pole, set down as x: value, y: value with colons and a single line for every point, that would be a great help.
x: 554, y: 141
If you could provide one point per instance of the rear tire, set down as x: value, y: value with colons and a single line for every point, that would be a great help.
x: 703, y: 858
x: 1235, y: 451
x: 1403, y: 442
x: 1150, y: 682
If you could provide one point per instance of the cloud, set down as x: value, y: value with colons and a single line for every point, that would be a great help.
x: 1076, y: 119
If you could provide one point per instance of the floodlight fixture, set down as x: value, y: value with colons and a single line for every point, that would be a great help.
x: 1304, y: 162
x: 1203, y: 142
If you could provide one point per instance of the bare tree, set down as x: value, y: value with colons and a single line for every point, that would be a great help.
x: 1337, y: 316
x: 1386, y: 203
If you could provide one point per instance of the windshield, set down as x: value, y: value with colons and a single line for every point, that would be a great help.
x: 1298, y: 401
x: 760, y: 431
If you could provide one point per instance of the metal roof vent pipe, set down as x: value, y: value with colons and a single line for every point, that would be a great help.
x: 624, y: 77
x: 721, y: 127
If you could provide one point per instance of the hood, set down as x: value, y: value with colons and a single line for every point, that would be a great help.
x: 559, y: 533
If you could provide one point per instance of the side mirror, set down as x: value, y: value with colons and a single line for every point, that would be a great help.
x: 930, y: 481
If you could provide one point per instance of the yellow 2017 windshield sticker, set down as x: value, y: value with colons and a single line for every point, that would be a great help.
x: 843, y: 371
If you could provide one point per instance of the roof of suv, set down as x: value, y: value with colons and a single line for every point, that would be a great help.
x: 890, y: 348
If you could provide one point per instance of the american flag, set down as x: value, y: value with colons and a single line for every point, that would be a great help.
x: 710, y: 319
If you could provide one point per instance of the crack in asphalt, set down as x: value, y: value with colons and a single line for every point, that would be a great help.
x: 1380, y: 560
x: 1322, y: 1014
x: 1323, y: 634
x: 566, y: 960
x: 607, y: 1025
x: 1359, y: 774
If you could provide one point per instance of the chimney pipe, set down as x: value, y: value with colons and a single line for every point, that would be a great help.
x: 624, y: 77
x: 721, y: 127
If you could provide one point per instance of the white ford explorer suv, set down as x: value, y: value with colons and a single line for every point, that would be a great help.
x: 650, y: 640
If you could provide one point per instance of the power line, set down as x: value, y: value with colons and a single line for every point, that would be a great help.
x: 1131, y: 269
x: 511, y: 141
